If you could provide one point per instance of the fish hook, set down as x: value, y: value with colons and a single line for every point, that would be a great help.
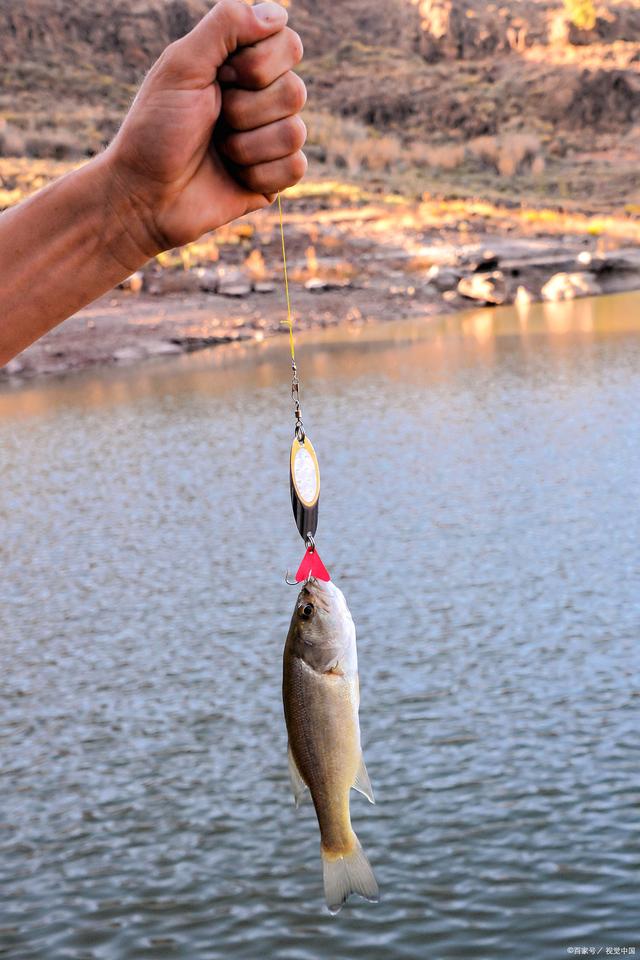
x: 292, y: 583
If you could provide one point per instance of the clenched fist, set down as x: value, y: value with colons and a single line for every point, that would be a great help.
x: 213, y: 134
x: 214, y: 131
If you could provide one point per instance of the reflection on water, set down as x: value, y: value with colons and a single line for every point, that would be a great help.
x: 444, y: 344
x: 480, y: 485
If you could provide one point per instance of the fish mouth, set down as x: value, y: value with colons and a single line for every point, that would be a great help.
x: 316, y: 590
x: 312, y: 583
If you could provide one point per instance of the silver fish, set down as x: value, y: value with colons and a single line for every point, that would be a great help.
x: 321, y: 699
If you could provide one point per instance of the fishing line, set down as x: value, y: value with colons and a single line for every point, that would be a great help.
x: 289, y: 320
x: 304, y: 471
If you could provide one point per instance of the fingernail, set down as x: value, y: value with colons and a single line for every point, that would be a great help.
x: 227, y: 74
x: 270, y: 13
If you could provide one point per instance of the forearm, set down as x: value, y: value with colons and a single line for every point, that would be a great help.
x: 165, y: 180
x: 62, y: 248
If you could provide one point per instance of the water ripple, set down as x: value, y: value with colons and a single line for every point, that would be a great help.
x: 484, y: 538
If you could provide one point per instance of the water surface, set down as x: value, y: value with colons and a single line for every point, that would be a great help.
x: 479, y: 509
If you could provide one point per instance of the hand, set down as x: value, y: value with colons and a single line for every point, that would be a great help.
x: 192, y: 155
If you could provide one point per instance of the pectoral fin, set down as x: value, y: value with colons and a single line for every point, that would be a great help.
x: 297, y: 783
x: 362, y: 783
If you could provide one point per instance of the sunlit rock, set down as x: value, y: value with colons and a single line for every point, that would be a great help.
x: 485, y: 287
x: 173, y: 281
x: 567, y: 286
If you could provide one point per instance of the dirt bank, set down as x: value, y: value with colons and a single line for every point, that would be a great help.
x: 355, y: 258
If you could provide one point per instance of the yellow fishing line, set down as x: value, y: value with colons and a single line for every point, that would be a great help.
x: 289, y: 320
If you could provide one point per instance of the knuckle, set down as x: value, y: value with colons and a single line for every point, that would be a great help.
x: 229, y: 10
x: 295, y: 92
x: 297, y: 167
x: 236, y: 149
x: 295, y: 134
x: 229, y: 14
x: 253, y: 180
x: 170, y: 56
x: 295, y: 46
x: 235, y: 109
x: 256, y: 68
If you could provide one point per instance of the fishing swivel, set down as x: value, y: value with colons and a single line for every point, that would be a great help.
x: 297, y: 411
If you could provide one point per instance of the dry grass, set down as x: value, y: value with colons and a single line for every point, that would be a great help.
x: 347, y: 144
x: 350, y: 145
x: 20, y: 176
x: 509, y: 154
x: 316, y: 200
x: 444, y: 156
x: 56, y: 135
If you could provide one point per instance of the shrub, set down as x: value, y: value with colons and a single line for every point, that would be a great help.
x: 54, y: 145
x: 581, y: 13
x: 351, y: 145
x: 510, y: 153
x: 445, y: 156
x: 11, y: 140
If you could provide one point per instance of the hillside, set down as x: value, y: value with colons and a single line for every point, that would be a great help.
x: 460, y: 153
x: 459, y: 98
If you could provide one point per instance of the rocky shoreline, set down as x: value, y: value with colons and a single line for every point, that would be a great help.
x: 349, y: 265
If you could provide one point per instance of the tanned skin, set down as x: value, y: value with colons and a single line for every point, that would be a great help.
x: 213, y: 134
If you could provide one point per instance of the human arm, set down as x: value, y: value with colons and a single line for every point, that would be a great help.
x: 190, y: 156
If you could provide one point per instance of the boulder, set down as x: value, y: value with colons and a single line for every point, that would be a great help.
x: 240, y: 289
x: 464, y: 29
x: 523, y: 297
x: 209, y: 280
x: 173, y: 281
x: 478, y: 259
x: 442, y: 255
x: 134, y: 283
x: 233, y: 283
x: 450, y: 296
x: 128, y: 354
x: 13, y: 368
x: 567, y: 286
x: 316, y: 285
x: 442, y: 278
x: 485, y: 287
x: 160, y: 348
x: 624, y: 260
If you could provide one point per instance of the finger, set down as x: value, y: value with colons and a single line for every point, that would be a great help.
x: 268, y: 178
x: 229, y: 25
x: 246, y: 110
x: 272, y: 142
x: 254, y: 68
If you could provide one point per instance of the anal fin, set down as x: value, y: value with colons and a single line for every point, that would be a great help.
x: 362, y: 783
x: 297, y: 783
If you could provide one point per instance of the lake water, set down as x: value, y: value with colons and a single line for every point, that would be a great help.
x: 480, y: 511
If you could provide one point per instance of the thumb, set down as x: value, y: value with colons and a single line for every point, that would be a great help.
x: 230, y: 25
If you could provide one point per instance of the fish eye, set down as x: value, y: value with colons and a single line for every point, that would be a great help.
x: 306, y: 611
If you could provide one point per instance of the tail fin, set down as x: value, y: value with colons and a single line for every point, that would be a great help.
x: 344, y: 875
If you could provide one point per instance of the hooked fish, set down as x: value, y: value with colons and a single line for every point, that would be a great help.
x: 321, y: 699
